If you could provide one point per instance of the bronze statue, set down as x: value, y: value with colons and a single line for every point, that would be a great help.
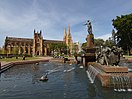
x: 89, y: 26
x: 109, y: 56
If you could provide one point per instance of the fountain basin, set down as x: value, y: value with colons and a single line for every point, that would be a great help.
x: 106, y: 73
x: 109, y: 69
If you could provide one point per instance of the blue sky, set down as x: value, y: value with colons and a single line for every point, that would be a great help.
x: 18, y: 18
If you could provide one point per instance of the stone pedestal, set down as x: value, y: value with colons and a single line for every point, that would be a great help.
x: 105, y: 74
x: 90, y: 40
x: 89, y: 56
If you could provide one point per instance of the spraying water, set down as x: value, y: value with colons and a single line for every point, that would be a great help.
x: 91, y: 73
x: 121, y: 83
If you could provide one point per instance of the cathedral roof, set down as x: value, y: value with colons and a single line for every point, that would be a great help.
x: 19, y: 39
x: 52, y: 41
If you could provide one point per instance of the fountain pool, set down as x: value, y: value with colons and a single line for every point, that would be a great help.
x: 65, y: 82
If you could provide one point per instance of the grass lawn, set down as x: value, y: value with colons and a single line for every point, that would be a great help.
x: 19, y: 59
x: 127, y: 56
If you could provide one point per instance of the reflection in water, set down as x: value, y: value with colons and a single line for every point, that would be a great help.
x: 65, y: 81
x: 129, y: 65
x: 35, y: 73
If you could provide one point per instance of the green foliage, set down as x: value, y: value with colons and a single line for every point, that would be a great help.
x: 0, y: 51
x: 114, y: 36
x: 19, y: 59
x: 98, y: 42
x: 109, y: 43
x: 101, y: 42
x: 15, y: 50
x: 84, y: 44
x: 58, y: 47
x: 4, y: 51
x: 123, y: 25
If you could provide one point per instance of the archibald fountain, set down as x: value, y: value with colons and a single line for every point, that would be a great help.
x: 105, y: 65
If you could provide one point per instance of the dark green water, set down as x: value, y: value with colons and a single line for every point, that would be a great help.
x: 65, y: 82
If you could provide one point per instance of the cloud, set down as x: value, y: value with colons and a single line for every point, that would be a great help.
x: 104, y: 37
x: 20, y: 17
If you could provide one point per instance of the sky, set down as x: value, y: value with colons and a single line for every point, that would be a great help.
x: 19, y: 18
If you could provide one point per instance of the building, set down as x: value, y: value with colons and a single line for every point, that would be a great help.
x: 35, y: 46
x: 76, y: 47
x: 68, y: 39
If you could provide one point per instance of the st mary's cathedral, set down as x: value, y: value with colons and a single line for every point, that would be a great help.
x: 37, y: 45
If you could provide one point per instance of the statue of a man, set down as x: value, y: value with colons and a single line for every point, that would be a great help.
x: 89, y: 27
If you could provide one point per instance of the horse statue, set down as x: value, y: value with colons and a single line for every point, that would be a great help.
x: 109, y: 56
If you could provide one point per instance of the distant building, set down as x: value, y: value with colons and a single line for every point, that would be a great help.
x: 35, y: 46
x: 76, y: 47
x: 68, y: 39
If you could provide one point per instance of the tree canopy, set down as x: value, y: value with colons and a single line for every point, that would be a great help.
x: 123, y: 25
x: 58, y: 47
x: 98, y: 42
x: 84, y: 44
x: 109, y: 43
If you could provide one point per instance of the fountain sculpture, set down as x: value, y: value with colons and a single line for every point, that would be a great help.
x: 105, y: 65
x: 89, y: 50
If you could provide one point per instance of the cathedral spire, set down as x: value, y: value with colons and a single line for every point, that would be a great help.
x: 65, y: 35
x: 69, y: 34
x: 40, y: 32
x: 34, y: 31
x: 69, y: 40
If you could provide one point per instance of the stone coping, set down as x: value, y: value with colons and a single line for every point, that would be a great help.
x: 106, y: 72
x: 8, y: 65
x: 89, y: 54
x: 61, y: 60
x: 28, y: 62
x: 109, y: 69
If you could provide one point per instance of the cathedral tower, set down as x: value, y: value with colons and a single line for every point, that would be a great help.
x: 37, y: 43
x: 65, y: 35
x: 68, y: 39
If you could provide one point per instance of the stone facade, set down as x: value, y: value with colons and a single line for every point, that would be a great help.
x: 35, y: 46
x: 90, y: 40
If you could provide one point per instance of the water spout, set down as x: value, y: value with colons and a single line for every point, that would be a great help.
x: 91, y: 73
x: 121, y: 83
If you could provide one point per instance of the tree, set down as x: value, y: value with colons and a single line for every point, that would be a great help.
x: 4, y: 51
x: 123, y: 25
x: 58, y: 47
x: 52, y: 47
x: 109, y: 43
x: 15, y: 50
x: 84, y: 45
x: 62, y: 47
x: 0, y: 50
x: 98, y: 42
x: 114, y: 36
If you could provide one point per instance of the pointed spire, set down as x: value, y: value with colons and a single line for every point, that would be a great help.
x: 65, y: 35
x: 34, y: 30
x: 69, y: 34
x: 40, y: 32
